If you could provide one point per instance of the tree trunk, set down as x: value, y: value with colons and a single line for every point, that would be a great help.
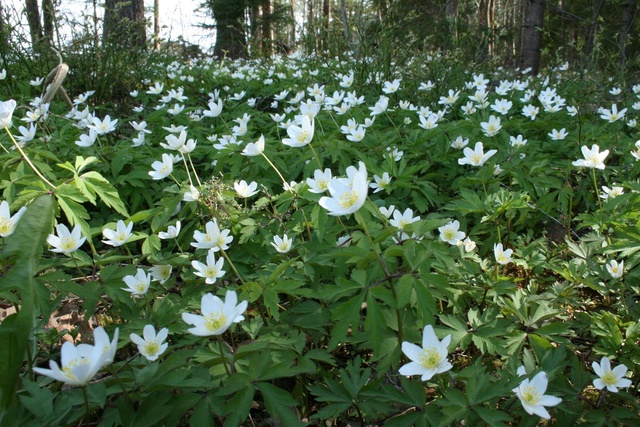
x: 33, y: 18
x: 267, y: 28
x: 230, y: 37
x: 156, y: 24
x: 49, y: 19
x: 628, y: 13
x: 326, y: 22
x: 124, y: 23
x: 532, y: 35
x: 591, y: 37
x: 345, y: 22
x: 292, y: 25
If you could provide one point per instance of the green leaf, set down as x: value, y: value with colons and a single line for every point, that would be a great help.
x: 24, y: 245
x: 279, y: 404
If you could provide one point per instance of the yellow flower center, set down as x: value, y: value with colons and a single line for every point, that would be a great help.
x: 348, y: 199
x: 531, y: 395
x: 476, y: 158
x: 140, y: 287
x: 430, y: 358
x: 449, y: 234
x: 6, y: 226
x: 609, y: 379
x: 67, y: 244
x: 151, y: 348
x: 302, y: 136
x: 214, y: 321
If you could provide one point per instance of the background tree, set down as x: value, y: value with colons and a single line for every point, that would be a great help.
x: 228, y: 15
x: 124, y: 23
x: 532, y: 35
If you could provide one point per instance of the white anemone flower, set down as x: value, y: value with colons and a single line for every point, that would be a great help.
x: 428, y: 360
x: 66, y: 241
x: 217, y: 315
x: 531, y: 395
x: 151, y: 345
x: 7, y: 222
x: 477, y: 156
x: 593, y: 158
x: 282, y: 244
x: 450, y: 233
x: 138, y: 284
x: 347, y: 195
x: 212, y: 270
x: 120, y: 235
x: 612, y: 379
x: 245, y: 190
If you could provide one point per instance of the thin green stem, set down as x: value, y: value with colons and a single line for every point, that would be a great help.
x: 86, y: 402
x: 595, y: 186
x: 274, y: 168
x: 313, y: 150
x: 194, y: 169
x: 187, y: 169
x: 26, y: 158
x: 233, y: 267
x: 222, y: 356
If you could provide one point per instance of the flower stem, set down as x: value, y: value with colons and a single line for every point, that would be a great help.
x: 316, y: 156
x: 194, y: 170
x: 86, y: 402
x: 222, y: 356
x: 274, y: 168
x: 595, y: 185
x: 26, y: 158
x: 233, y: 267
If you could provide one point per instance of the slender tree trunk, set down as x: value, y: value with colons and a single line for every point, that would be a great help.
x: 345, y: 22
x: 230, y: 36
x: 124, y: 23
x: 33, y: 18
x: 326, y: 22
x: 532, y: 35
x: 628, y: 13
x: 292, y: 26
x: 267, y: 28
x: 156, y: 24
x: 49, y: 19
x: 591, y: 37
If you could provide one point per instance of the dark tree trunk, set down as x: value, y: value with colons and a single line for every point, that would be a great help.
x: 49, y: 19
x: 230, y: 37
x: 267, y: 27
x: 532, y: 35
x: 124, y: 23
x: 156, y: 24
x: 591, y: 36
x: 33, y: 18
x: 628, y: 13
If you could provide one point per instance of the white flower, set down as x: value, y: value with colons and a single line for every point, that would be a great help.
x: 213, y: 238
x: 477, y: 156
x: 66, y: 241
x: 347, y: 196
x: 171, y: 233
x: 245, y: 190
x: 530, y: 111
x: 79, y: 364
x: 492, y: 127
x: 119, y: 236
x: 151, y: 346
x: 532, y: 397
x: 299, y: 136
x: 215, y: 108
x: 192, y: 195
x: 87, y: 140
x: 212, y: 270
x: 160, y: 273
x: 138, y: 284
x: 380, y: 182
x: 502, y: 256
x: 7, y: 222
x: 282, y: 245
x: 469, y: 244
x: 612, y: 115
x: 428, y: 360
x: 558, y: 135
x: 450, y: 233
x: 401, y: 220
x: 391, y: 87
x: 217, y: 315
x: 27, y: 134
x: 615, y: 270
x: 460, y: 143
x: 162, y: 169
x: 380, y: 107
x: 254, y: 149
x: 6, y: 112
x: 611, y: 193
x: 103, y: 126
x: 593, y: 158
x: 320, y: 181
x: 612, y: 379
x: 517, y: 141
x: 387, y: 212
